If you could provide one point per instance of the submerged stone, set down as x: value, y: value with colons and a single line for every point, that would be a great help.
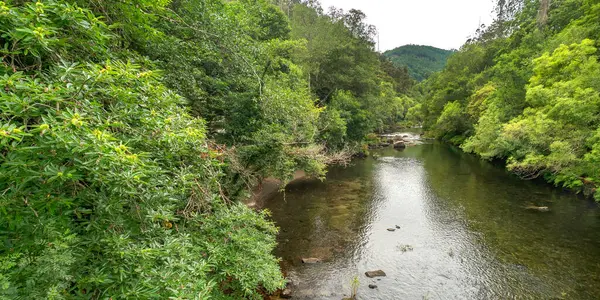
x: 310, y: 260
x: 376, y: 273
x: 538, y: 208
x: 286, y: 293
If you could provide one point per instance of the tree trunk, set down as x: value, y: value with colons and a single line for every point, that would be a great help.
x: 543, y: 12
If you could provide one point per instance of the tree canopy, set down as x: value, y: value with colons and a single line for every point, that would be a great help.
x: 421, y: 61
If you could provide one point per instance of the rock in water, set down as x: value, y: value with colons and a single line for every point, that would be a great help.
x: 286, y: 293
x: 538, y: 208
x: 399, y: 145
x: 372, y: 286
x: 397, y: 227
x: 391, y: 229
x: 310, y: 260
x: 360, y: 155
x: 376, y: 273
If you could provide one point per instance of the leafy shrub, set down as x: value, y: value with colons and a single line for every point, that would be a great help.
x: 109, y: 187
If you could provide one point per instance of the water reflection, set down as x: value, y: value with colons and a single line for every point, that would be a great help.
x: 464, y: 219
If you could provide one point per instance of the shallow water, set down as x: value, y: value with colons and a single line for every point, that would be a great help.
x: 464, y: 219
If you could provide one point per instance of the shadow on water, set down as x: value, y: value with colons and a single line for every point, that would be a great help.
x: 465, y: 232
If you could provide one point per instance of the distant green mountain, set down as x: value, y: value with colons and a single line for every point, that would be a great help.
x: 421, y: 61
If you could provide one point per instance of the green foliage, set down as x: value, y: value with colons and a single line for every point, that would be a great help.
x: 358, y: 120
x: 37, y: 33
x: 104, y: 191
x: 564, y: 108
x: 104, y: 194
x: 355, y: 283
x: 451, y: 121
x: 399, y: 75
x: 362, y: 90
x: 421, y: 61
x: 531, y: 97
x: 414, y: 115
x: 336, y: 59
x: 334, y: 129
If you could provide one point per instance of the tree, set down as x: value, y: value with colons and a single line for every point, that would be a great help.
x: 528, y: 95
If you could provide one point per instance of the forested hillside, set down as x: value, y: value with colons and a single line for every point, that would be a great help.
x: 130, y: 131
x: 421, y: 61
x: 526, y: 90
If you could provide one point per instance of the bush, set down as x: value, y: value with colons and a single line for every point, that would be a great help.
x: 109, y: 187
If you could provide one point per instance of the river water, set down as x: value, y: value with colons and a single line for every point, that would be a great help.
x: 465, y: 231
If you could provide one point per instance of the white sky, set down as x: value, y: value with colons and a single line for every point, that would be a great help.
x: 444, y: 24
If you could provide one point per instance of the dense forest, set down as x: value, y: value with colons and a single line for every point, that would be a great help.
x: 130, y: 132
x: 526, y: 90
x: 421, y: 61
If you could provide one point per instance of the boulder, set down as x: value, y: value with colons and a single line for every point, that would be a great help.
x: 376, y: 273
x: 310, y: 260
x: 399, y: 145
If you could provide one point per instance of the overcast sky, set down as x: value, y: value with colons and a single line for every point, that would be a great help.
x: 440, y: 23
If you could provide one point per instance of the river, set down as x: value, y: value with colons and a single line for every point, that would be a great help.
x: 465, y: 231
